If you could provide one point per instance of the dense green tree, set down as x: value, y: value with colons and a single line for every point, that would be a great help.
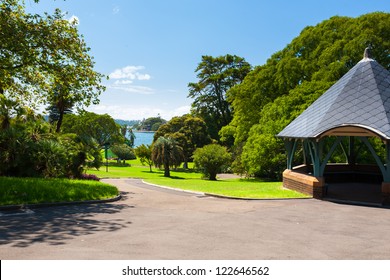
x: 166, y: 153
x: 216, y: 75
x: 29, y: 149
x: 43, y: 59
x: 188, y: 131
x: 123, y: 152
x: 272, y: 95
x: 150, y: 124
x: 58, y: 110
x: 100, y: 127
x: 144, y: 153
x: 211, y: 159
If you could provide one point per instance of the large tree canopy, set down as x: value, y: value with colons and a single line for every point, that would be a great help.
x: 44, y: 59
x: 188, y: 131
x: 102, y: 128
x: 216, y: 76
x: 272, y: 95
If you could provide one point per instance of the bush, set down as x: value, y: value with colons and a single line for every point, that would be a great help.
x: 211, y: 159
x: 123, y: 151
x: 89, y: 177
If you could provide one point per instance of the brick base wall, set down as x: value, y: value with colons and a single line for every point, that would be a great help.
x: 304, y: 183
x: 385, y: 193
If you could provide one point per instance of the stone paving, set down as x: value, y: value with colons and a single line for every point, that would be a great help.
x: 154, y: 223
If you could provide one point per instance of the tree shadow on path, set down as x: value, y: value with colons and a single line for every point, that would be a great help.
x: 56, y: 225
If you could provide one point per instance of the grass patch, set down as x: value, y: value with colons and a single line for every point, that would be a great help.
x: 16, y: 191
x: 190, y: 180
x: 243, y: 188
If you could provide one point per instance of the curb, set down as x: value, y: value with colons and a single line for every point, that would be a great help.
x: 173, y: 189
x: 53, y: 204
x: 251, y: 198
x: 221, y: 196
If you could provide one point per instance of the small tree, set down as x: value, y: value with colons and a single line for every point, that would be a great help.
x: 166, y: 153
x: 210, y: 159
x: 123, y: 152
x: 144, y: 153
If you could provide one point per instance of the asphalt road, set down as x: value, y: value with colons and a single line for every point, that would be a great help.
x: 154, y: 223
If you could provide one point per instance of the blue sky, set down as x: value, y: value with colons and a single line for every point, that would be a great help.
x: 151, y: 48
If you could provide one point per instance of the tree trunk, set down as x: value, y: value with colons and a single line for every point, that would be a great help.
x: 213, y: 177
x: 166, y: 171
x: 59, y: 122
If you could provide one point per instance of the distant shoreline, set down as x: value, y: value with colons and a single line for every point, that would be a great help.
x: 144, y: 131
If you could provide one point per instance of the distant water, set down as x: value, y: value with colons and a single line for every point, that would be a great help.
x: 143, y: 138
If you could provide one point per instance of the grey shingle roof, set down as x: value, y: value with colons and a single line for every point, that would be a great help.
x: 360, y: 98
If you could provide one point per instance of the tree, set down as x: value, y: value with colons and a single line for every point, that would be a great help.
x: 273, y: 94
x: 43, y: 59
x: 123, y: 152
x: 128, y: 134
x: 210, y: 159
x: 29, y: 149
x: 57, y: 112
x: 151, y: 124
x: 166, y: 153
x: 100, y: 127
x: 216, y: 76
x: 188, y: 131
x: 144, y: 153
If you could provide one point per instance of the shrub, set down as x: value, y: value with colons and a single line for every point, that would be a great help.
x: 123, y: 151
x: 211, y: 159
x: 89, y: 177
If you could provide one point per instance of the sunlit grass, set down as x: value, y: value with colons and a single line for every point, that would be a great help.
x: 16, y: 191
x: 191, y: 180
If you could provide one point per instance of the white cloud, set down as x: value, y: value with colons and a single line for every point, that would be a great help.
x: 130, y: 72
x: 127, y: 87
x: 137, y: 112
x: 123, y: 82
x: 125, y: 77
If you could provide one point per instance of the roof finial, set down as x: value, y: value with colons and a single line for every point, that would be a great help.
x: 367, y: 53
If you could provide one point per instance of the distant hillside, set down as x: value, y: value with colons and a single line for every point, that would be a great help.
x: 129, y: 123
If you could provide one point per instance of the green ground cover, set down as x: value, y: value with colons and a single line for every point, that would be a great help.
x: 16, y: 191
x: 190, y: 180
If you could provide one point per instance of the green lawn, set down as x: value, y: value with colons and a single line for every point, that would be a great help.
x: 190, y: 180
x: 16, y: 191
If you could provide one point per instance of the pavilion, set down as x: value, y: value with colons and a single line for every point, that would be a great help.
x: 355, y: 110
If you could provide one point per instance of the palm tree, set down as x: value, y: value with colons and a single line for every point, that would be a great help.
x: 167, y: 153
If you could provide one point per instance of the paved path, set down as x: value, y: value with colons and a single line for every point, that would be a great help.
x: 153, y: 223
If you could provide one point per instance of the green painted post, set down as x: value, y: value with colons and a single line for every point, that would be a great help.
x: 291, y: 146
x: 329, y: 154
x: 106, y: 146
x: 383, y: 167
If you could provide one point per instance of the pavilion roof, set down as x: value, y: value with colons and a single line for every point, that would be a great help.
x: 356, y: 105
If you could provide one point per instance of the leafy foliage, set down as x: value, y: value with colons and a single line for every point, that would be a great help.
x: 43, y: 59
x: 167, y: 153
x: 144, y: 153
x: 150, y: 124
x: 216, y: 76
x: 29, y: 149
x: 188, y: 131
x: 272, y: 95
x: 100, y: 127
x: 123, y: 152
x: 211, y: 159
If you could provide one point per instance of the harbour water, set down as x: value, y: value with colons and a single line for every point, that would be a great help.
x: 143, y: 138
